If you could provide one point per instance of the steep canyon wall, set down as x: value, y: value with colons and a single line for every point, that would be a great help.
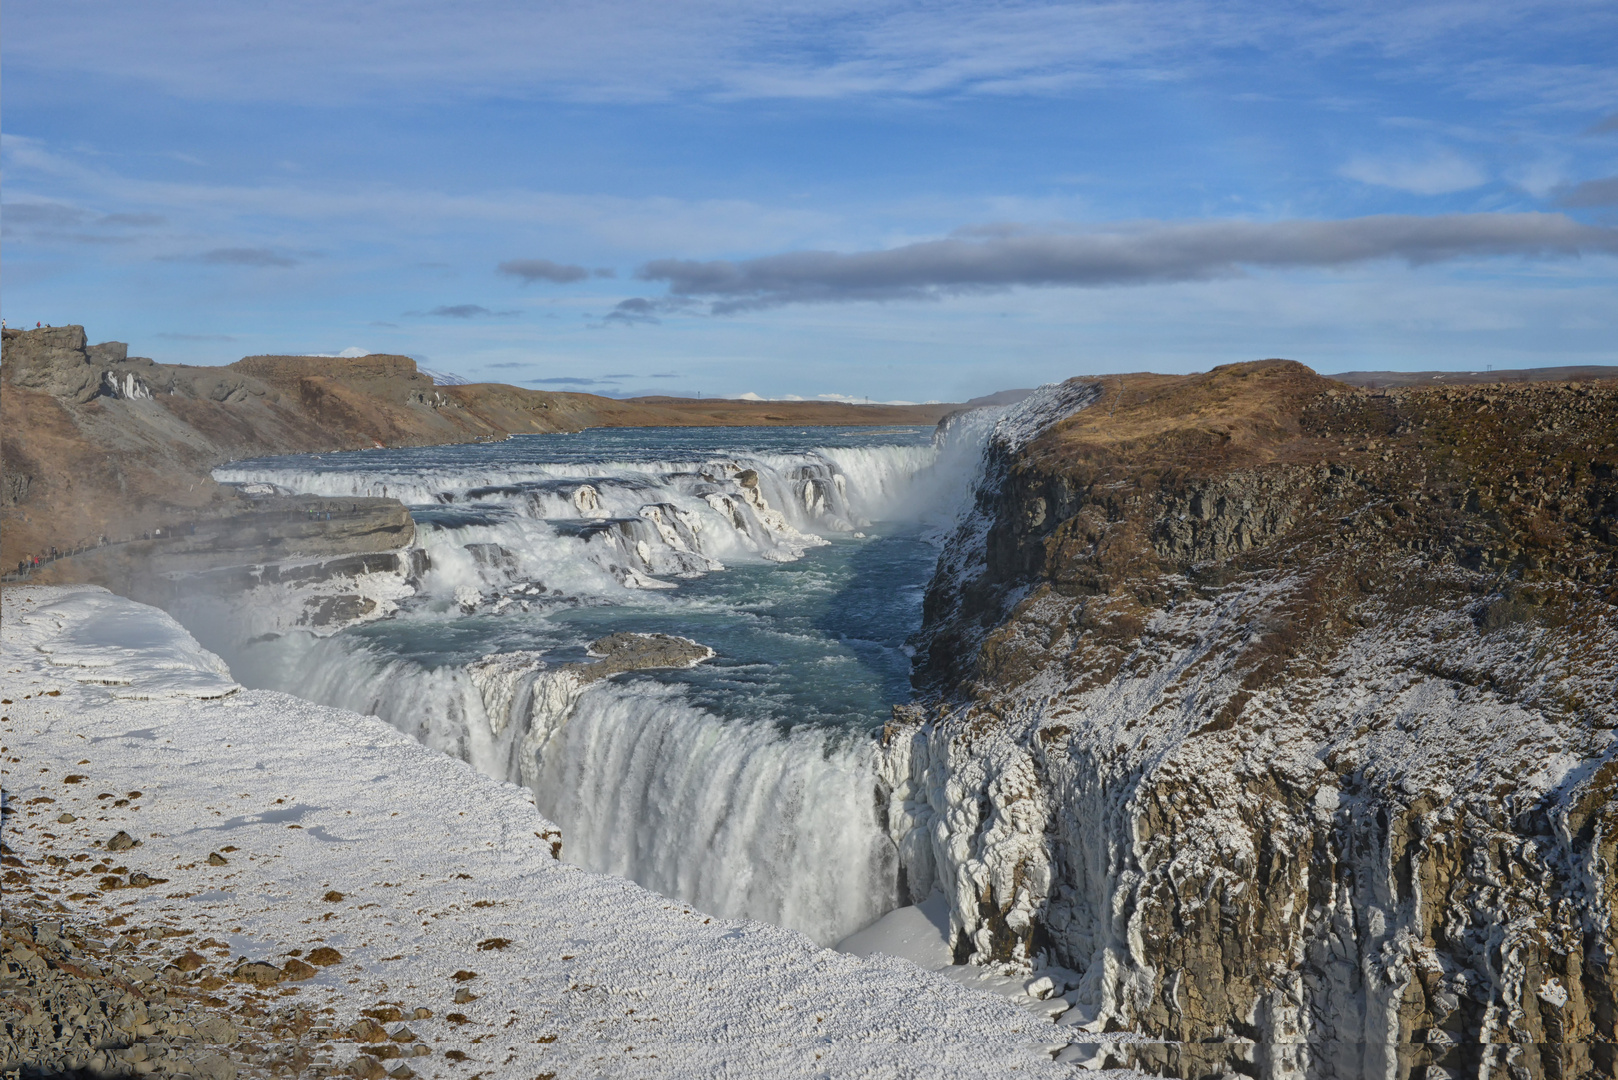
x: 1282, y: 714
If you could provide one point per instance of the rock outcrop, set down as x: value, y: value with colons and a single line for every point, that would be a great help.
x: 1282, y: 715
x: 639, y: 652
x: 55, y: 361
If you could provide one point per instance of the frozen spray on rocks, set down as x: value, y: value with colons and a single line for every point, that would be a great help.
x: 277, y: 917
x: 1280, y: 715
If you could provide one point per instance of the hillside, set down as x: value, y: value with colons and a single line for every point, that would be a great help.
x: 97, y: 443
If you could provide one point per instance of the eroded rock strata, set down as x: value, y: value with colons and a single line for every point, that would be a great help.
x: 1282, y: 714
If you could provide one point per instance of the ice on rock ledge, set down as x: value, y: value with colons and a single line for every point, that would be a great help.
x: 136, y: 652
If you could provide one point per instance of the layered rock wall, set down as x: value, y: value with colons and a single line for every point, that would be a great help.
x: 1282, y: 715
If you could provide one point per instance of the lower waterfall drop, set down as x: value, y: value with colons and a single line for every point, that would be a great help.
x: 735, y: 819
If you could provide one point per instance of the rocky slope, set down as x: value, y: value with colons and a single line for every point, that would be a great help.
x: 98, y: 443
x: 1282, y: 715
x: 108, y: 999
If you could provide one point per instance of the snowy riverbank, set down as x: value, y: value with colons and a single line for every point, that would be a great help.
x: 440, y: 870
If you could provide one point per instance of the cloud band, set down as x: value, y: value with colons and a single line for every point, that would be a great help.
x: 531, y: 270
x: 1142, y: 254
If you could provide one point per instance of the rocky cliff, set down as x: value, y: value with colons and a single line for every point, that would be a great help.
x: 1281, y: 714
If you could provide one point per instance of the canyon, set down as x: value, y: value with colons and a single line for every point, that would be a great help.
x: 99, y: 443
x: 1267, y: 717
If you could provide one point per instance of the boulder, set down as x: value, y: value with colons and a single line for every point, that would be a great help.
x: 296, y: 970
x: 258, y: 973
x: 367, y: 1030
x: 108, y: 352
x: 365, y: 1067
x: 213, y: 1067
x: 190, y: 961
x: 52, y: 360
x: 635, y: 652
x: 216, y: 1029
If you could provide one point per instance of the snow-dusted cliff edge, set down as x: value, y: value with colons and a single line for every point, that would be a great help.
x: 262, y: 827
x: 1282, y: 715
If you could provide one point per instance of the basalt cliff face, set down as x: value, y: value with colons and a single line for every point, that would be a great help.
x: 1282, y: 715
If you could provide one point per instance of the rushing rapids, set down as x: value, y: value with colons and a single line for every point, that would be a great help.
x: 747, y: 785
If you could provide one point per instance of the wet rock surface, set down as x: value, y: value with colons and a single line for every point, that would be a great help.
x: 1282, y: 715
x: 635, y: 652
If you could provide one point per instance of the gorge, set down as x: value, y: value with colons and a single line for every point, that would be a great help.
x: 1267, y: 718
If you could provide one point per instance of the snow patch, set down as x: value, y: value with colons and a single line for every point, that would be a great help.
x: 136, y: 652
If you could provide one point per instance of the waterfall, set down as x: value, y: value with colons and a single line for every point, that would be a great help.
x: 597, y: 527
x: 735, y: 819
x: 752, y: 813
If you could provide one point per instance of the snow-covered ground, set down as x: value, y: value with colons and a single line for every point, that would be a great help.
x: 440, y: 870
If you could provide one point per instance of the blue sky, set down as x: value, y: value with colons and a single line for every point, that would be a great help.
x: 894, y: 201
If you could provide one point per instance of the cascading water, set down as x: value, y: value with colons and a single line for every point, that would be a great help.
x: 744, y: 785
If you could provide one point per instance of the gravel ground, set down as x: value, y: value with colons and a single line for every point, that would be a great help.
x: 86, y: 999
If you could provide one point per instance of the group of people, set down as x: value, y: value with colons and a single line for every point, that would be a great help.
x: 30, y: 563
x: 33, y: 562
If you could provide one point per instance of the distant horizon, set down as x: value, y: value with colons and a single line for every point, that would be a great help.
x: 899, y: 201
x: 571, y: 385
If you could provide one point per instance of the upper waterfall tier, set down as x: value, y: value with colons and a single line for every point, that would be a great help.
x: 494, y: 515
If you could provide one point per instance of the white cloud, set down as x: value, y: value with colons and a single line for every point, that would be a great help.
x: 1437, y: 172
x: 1540, y: 178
